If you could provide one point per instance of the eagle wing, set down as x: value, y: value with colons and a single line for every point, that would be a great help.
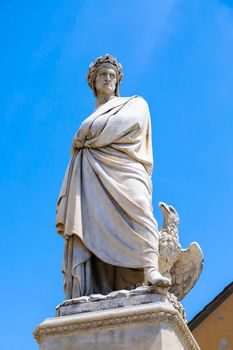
x: 186, y: 270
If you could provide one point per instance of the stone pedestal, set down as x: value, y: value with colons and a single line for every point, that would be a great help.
x: 140, y: 319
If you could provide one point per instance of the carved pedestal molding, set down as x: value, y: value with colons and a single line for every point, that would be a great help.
x: 155, y: 325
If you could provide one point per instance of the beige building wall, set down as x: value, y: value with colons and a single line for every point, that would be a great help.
x: 215, y: 332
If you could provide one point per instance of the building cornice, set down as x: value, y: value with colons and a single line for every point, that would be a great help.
x: 209, y: 308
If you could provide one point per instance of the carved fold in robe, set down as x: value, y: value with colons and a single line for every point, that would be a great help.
x: 105, y: 203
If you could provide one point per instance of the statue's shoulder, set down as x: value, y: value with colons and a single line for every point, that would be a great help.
x: 134, y: 99
x: 139, y: 103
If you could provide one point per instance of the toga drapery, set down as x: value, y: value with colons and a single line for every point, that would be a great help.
x: 105, y: 202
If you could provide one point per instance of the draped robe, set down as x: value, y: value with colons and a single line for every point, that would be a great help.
x: 105, y: 203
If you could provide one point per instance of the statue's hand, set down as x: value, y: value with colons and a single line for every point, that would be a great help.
x: 76, y: 144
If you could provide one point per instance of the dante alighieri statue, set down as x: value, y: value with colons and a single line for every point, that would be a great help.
x: 104, y: 210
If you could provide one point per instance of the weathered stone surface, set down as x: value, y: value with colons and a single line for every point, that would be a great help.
x: 147, y: 326
x: 113, y: 300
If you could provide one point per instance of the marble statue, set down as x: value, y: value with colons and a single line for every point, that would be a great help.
x: 123, y: 277
x: 104, y: 210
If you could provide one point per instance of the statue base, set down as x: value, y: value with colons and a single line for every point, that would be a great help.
x: 146, y: 318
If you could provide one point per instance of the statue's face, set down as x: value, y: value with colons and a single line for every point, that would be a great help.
x: 105, y: 81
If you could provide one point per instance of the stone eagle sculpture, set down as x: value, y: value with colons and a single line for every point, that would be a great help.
x: 181, y: 266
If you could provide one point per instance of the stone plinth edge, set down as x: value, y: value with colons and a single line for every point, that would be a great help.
x: 98, y: 321
x: 120, y: 298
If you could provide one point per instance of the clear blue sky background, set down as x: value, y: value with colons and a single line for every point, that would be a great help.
x: 178, y: 54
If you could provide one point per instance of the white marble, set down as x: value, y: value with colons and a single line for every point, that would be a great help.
x: 153, y: 326
x: 104, y: 210
x: 182, y: 266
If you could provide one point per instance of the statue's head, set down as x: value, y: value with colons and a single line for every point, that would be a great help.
x: 105, y: 63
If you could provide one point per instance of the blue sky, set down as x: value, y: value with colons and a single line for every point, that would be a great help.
x: 178, y: 54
